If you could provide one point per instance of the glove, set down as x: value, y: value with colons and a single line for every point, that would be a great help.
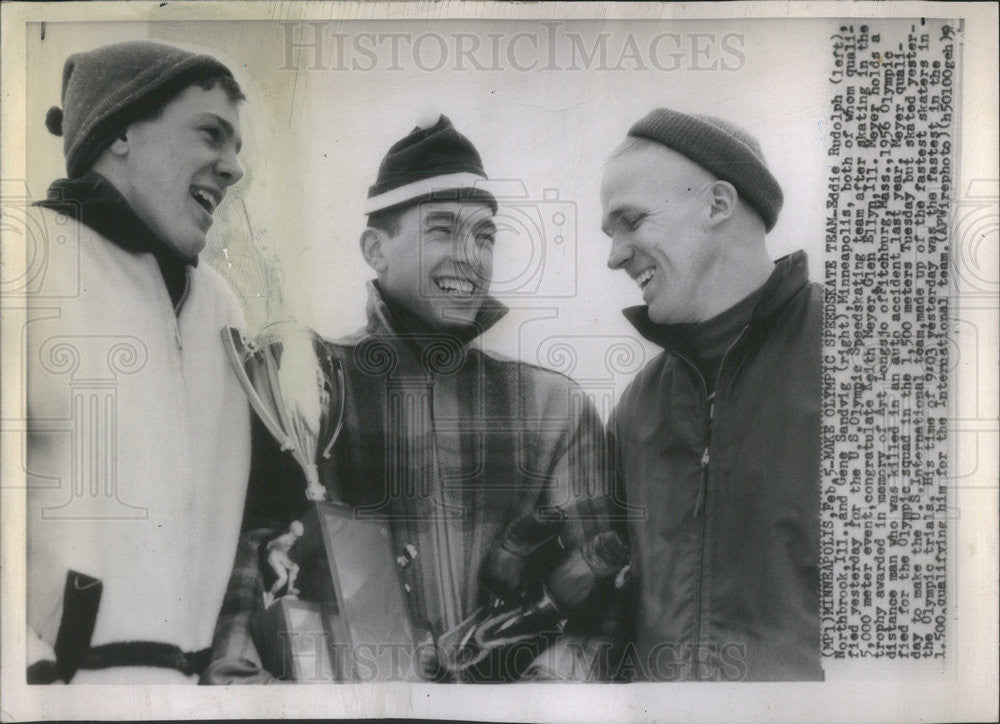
x: 503, y: 572
x: 572, y: 582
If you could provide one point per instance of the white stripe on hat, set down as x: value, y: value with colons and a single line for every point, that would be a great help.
x: 401, y: 194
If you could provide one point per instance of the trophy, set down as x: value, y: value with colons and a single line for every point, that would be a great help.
x: 293, y: 383
x: 344, y: 615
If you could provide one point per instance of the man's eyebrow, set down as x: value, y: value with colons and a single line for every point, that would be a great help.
x: 440, y: 216
x: 227, y: 128
x: 485, y: 225
x: 612, y: 216
x: 618, y: 212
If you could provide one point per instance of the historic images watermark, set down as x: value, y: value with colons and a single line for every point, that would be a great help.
x: 322, y: 45
x: 314, y: 657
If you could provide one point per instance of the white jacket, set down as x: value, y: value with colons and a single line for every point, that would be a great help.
x: 138, y: 443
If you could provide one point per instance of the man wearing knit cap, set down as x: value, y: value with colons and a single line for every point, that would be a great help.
x: 482, y: 465
x: 717, y: 439
x: 132, y: 532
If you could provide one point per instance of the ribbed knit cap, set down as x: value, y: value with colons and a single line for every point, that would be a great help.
x: 104, y: 90
x: 723, y: 148
x: 433, y: 162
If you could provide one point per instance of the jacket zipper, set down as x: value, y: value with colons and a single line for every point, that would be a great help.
x: 187, y: 288
x: 442, y: 543
x: 705, y: 458
x: 177, y: 312
x: 703, y: 486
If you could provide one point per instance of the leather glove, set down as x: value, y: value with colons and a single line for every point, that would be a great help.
x: 504, y: 569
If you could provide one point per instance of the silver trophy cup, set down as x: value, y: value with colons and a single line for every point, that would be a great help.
x: 296, y: 387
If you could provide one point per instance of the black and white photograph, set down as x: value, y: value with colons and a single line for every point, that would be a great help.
x: 637, y: 358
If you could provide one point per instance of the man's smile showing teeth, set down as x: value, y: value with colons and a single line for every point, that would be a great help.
x: 455, y: 286
x: 206, y: 199
x: 643, y: 278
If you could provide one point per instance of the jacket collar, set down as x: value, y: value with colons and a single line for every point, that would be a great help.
x: 789, y: 276
x: 382, y: 322
x: 95, y: 202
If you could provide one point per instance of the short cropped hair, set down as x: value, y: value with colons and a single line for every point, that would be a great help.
x: 388, y: 220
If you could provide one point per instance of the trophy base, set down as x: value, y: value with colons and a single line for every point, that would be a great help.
x: 293, y: 642
x: 353, y: 622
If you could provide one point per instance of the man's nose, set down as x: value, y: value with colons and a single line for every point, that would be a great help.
x: 621, y: 252
x: 474, y: 257
x: 466, y: 248
x: 229, y: 168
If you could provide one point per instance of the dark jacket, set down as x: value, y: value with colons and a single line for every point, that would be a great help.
x: 449, y: 444
x: 727, y: 555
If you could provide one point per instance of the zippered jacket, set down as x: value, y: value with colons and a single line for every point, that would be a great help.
x: 726, y: 557
x: 447, y: 442
x: 138, y: 447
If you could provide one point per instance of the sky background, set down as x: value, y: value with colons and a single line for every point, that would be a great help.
x: 544, y: 109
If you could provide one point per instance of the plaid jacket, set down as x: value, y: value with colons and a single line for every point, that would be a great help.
x: 449, y: 444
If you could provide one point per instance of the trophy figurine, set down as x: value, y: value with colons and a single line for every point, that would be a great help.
x: 286, y: 569
x: 342, y: 594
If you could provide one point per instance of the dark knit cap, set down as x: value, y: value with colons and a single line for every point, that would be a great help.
x: 104, y: 90
x: 436, y: 162
x: 725, y: 149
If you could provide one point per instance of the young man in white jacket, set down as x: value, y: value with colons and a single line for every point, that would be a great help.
x: 138, y: 443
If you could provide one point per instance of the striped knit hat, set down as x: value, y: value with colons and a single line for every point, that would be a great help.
x: 436, y: 162
x: 725, y: 149
x: 106, y: 89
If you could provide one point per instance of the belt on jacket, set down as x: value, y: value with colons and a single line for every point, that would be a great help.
x: 81, y: 598
x: 147, y: 653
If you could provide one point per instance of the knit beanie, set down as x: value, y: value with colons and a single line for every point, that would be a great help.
x: 723, y: 148
x: 104, y: 90
x: 436, y: 162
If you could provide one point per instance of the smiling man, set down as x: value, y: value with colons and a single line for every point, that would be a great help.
x: 717, y: 439
x: 468, y: 455
x: 139, y: 434
x: 423, y: 270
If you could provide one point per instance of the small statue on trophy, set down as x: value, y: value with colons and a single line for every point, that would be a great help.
x: 282, y: 564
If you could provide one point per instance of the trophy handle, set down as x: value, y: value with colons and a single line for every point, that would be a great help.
x: 232, y: 340
x: 340, y: 412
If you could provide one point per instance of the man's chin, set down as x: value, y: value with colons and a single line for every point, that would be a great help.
x: 660, y: 316
x: 188, y: 246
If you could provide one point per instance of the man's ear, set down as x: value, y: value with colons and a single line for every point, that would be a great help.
x: 373, y: 248
x: 723, y: 199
